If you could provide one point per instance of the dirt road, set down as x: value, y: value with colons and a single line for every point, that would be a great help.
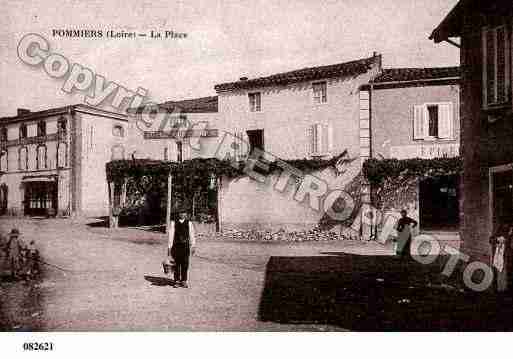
x: 112, y: 281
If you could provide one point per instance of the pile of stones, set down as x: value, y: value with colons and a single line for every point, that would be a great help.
x: 271, y: 236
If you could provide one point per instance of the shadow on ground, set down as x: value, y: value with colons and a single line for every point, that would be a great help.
x: 159, y: 281
x: 377, y: 293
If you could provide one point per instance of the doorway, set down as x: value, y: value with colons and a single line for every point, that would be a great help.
x: 40, y: 197
x: 439, y: 203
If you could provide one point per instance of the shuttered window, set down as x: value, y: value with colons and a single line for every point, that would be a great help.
x: 432, y: 121
x: 320, y: 92
x: 255, y: 102
x: 496, y: 66
x: 320, y: 139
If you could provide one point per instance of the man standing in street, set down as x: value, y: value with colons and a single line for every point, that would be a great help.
x: 181, y: 245
x: 404, y: 230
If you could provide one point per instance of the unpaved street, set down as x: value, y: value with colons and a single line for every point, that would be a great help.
x: 113, y: 281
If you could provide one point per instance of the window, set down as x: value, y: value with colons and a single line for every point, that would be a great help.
x: 255, y: 102
x: 23, y: 131
x: 496, y: 60
x: 166, y: 155
x: 3, y: 134
x: 41, y: 129
x: 118, y: 131
x: 3, y: 161
x: 62, y: 155
x: 432, y: 111
x: 179, y: 152
x: 23, y: 159
x: 41, y: 157
x: 320, y: 138
x: 320, y: 90
x: 433, y: 121
x: 255, y: 139
x: 61, y: 126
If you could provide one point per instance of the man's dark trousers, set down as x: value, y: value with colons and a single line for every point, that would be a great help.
x: 181, y: 253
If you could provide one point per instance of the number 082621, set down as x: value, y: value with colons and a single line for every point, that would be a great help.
x: 34, y: 346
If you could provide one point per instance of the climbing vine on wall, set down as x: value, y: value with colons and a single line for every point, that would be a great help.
x: 391, y: 178
x: 145, y: 178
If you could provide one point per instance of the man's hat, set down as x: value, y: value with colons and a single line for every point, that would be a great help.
x: 14, y: 232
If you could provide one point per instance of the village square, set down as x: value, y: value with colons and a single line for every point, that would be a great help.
x: 332, y: 197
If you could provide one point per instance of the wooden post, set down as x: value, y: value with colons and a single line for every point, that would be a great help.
x: 169, y: 199
x: 123, y: 193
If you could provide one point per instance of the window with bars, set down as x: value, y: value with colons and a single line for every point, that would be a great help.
x: 255, y: 102
x: 496, y: 66
x: 320, y: 92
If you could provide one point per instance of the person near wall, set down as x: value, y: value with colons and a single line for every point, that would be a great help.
x: 181, y: 245
x: 404, y: 226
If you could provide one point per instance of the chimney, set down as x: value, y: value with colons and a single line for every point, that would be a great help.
x: 23, y: 111
x: 243, y: 78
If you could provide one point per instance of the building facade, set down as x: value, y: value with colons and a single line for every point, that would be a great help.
x: 414, y: 113
x: 485, y: 30
x: 302, y: 114
x: 52, y: 162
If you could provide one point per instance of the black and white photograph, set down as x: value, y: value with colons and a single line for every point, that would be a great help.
x: 192, y: 167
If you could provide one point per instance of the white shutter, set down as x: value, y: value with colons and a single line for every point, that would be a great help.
x: 419, y: 122
x: 329, y: 131
x: 318, y: 139
x: 445, y: 120
x: 327, y: 138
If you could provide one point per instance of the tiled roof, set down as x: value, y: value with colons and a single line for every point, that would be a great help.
x: 307, y: 74
x: 196, y: 105
x: 417, y: 74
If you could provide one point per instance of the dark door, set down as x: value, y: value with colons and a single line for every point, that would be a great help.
x: 502, y: 197
x: 439, y: 203
x: 40, y: 197
x: 256, y: 139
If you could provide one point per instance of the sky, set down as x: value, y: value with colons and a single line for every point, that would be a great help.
x: 225, y: 41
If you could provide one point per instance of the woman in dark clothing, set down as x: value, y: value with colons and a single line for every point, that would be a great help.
x: 403, y: 246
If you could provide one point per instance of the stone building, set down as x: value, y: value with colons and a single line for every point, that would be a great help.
x: 485, y: 29
x: 311, y: 113
x: 414, y: 113
x: 52, y: 162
